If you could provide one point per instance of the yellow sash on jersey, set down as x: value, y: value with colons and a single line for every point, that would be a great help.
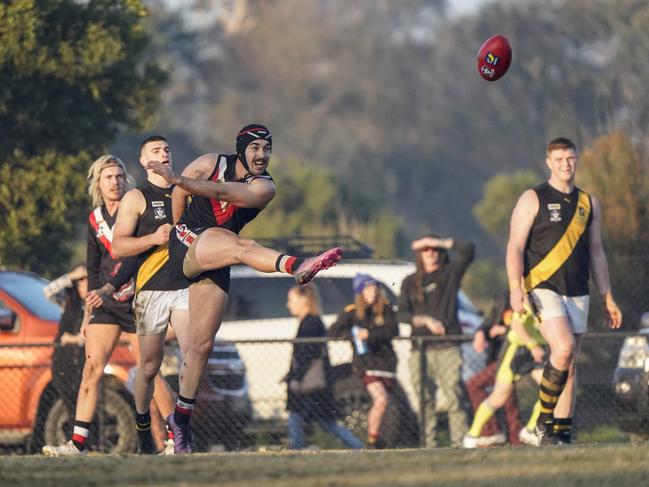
x: 152, y: 264
x: 564, y: 247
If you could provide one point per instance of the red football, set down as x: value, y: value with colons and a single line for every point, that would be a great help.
x: 494, y: 58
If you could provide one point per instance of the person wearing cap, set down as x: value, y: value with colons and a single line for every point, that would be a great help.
x: 227, y: 191
x: 428, y: 301
x: 370, y: 323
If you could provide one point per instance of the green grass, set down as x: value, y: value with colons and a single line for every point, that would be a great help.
x: 566, y: 466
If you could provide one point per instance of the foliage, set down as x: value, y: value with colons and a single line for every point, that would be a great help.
x: 71, y: 74
x: 501, y: 192
x: 308, y: 202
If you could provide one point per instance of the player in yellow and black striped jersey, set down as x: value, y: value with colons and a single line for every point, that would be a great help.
x: 142, y: 229
x: 555, y: 243
x: 523, y: 353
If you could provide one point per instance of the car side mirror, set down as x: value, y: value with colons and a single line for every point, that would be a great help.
x: 7, y: 320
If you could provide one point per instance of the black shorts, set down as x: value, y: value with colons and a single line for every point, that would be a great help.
x: 178, y: 251
x: 119, y: 315
x: 516, y: 361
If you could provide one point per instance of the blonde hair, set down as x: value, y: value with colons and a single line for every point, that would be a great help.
x: 94, y: 173
x: 310, y: 292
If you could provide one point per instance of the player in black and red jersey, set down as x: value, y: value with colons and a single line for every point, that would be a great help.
x: 228, y: 192
x: 110, y: 293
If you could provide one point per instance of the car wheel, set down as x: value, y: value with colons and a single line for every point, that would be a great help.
x: 118, y: 435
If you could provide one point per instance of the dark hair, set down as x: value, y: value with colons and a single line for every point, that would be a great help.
x: 152, y: 138
x: 419, y: 264
x: 561, y: 143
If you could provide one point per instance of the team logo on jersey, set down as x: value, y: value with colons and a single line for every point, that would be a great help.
x: 582, y: 211
x: 555, y: 216
x: 430, y: 288
x: 159, y: 213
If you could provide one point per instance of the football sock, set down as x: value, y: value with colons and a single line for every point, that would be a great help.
x: 143, y: 424
x: 184, y: 408
x: 482, y: 415
x: 80, y: 434
x: 552, y: 385
x: 536, y: 410
x: 563, y: 429
x: 287, y: 263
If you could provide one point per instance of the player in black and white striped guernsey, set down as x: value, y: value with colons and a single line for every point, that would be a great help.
x: 228, y: 192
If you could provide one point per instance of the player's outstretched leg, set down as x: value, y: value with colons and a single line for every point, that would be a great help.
x: 311, y: 266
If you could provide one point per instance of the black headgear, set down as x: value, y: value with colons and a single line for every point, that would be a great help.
x: 248, y: 134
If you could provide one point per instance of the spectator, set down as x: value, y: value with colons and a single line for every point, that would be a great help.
x: 69, y: 291
x: 490, y: 337
x: 428, y: 301
x: 310, y: 395
x: 371, y: 323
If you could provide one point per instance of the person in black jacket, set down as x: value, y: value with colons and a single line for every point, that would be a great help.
x: 69, y: 291
x: 428, y: 301
x: 310, y: 395
x: 371, y: 323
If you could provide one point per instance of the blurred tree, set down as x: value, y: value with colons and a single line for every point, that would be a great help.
x: 501, y: 192
x: 71, y: 74
x: 309, y: 202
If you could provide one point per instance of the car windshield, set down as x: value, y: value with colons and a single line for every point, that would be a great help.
x: 257, y: 298
x: 28, y: 290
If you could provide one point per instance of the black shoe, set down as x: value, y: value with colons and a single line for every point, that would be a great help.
x: 545, y: 434
x: 145, y: 443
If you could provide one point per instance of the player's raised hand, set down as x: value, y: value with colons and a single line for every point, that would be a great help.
x: 162, y: 169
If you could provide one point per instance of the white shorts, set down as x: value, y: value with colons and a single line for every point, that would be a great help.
x: 552, y: 305
x: 152, y: 309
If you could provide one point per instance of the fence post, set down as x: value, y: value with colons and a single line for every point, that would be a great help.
x: 422, y: 391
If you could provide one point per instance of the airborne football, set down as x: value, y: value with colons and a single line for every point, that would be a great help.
x: 494, y: 58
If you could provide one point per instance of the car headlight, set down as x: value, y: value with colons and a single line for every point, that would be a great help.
x: 634, y: 353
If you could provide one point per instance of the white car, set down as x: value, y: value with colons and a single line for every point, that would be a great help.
x: 257, y: 311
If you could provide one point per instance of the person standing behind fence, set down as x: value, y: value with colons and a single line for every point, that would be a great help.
x: 428, y: 301
x: 310, y: 395
x: 69, y: 291
x: 371, y: 323
x: 555, y: 241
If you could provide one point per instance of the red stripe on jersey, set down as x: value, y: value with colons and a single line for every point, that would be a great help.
x: 102, y: 238
x: 221, y: 215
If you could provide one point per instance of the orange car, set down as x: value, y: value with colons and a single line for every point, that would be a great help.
x: 31, y: 414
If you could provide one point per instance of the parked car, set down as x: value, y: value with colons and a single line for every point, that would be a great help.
x: 257, y: 311
x: 631, y: 384
x: 31, y: 414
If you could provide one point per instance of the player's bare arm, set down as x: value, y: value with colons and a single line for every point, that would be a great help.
x: 523, y: 216
x: 257, y: 194
x: 599, y: 269
x: 125, y: 244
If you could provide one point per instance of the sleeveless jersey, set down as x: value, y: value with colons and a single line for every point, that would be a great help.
x: 203, y: 212
x: 154, y: 270
x: 557, y: 253
x: 102, y: 263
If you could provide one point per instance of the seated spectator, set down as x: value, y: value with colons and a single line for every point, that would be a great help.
x: 490, y: 337
x: 524, y: 354
x: 310, y: 395
x: 69, y: 291
x: 371, y: 323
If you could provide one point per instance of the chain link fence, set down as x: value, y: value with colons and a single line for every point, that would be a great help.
x: 242, y: 400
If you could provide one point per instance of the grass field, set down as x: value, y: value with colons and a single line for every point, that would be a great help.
x: 566, y: 466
